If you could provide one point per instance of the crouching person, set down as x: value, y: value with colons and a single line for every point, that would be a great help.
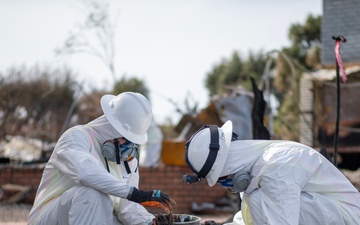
x: 92, y: 175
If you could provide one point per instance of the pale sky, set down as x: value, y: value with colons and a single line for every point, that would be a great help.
x: 171, y: 44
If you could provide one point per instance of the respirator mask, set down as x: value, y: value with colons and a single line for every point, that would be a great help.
x: 113, y: 151
x: 237, y: 182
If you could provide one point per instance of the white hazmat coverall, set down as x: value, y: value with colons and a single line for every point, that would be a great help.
x: 291, y: 184
x: 150, y: 152
x: 76, y: 187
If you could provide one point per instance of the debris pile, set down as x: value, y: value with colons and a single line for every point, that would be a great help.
x: 21, y: 149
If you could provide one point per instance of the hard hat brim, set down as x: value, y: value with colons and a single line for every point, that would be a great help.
x: 108, y: 112
x: 221, y: 158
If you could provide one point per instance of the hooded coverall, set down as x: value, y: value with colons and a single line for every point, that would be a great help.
x: 76, y: 187
x: 291, y: 184
x: 150, y: 153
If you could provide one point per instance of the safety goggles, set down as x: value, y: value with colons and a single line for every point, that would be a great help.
x: 128, y: 150
x: 227, y: 183
x: 222, y: 179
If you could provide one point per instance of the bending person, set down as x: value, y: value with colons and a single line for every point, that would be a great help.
x: 282, y: 182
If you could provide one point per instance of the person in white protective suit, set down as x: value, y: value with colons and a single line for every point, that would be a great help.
x: 92, y: 175
x: 150, y: 152
x: 282, y: 182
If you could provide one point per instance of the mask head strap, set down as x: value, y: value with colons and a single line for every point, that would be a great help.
x: 117, y: 150
x: 213, y: 147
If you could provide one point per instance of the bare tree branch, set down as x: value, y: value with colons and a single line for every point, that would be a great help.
x: 97, y: 25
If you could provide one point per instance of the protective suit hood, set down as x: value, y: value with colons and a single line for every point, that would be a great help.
x: 242, y: 155
x: 103, y: 129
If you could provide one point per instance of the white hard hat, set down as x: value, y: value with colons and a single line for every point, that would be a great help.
x: 129, y: 113
x: 207, y: 150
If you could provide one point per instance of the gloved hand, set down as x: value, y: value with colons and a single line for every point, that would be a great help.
x: 154, y: 198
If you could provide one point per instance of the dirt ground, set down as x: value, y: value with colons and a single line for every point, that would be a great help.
x: 14, y: 214
x: 17, y: 214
